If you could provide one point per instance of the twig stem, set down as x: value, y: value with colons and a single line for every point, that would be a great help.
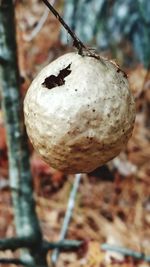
x: 15, y: 243
x: 68, y: 216
x: 77, y: 43
x: 126, y: 252
x: 14, y: 261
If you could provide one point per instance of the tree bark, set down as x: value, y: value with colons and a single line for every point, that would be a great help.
x: 27, y: 225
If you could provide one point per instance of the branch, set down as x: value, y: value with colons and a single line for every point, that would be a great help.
x: 15, y: 243
x: 68, y: 215
x: 77, y: 43
x: 14, y: 261
x: 126, y: 252
x: 38, y: 27
x: 63, y: 245
x: 18, y: 154
x: 26, y: 221
x: 73, y: 244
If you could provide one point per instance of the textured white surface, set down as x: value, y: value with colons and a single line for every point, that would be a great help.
x: 85, y: 122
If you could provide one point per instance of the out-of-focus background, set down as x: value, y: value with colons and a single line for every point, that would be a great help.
x: 113, y: 202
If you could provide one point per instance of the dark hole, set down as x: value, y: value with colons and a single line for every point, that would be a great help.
x: 53, y: 81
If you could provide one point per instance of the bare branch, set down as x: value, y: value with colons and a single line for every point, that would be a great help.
x: 37, y: 29
x: 15, y: 243
x: 68, y: 215
x: 64, y: 245
x: 77, y: 43
x: 126, y: 252
x: 13, y: 261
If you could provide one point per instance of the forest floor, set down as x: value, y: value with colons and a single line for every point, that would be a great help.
x: 111, y: 206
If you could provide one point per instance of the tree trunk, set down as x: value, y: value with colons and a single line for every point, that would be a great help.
x: 27, y: 225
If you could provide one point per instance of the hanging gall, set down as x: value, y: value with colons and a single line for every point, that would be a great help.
x: 79, y: 112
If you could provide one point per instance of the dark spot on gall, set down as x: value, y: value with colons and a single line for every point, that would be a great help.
x: 53, y: 81
x: 124, y: 74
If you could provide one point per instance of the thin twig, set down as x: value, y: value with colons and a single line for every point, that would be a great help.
x: 126, y: 252
x: 63, y: 245
x: 14, y: 261
x: 77, y: 43
x: 38, y: 27
x: 68, y: 216
x: 74, y: 244
x: 15, y: 243
x: 82, y: 48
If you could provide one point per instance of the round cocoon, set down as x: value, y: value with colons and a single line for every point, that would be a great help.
x: 79, y: 112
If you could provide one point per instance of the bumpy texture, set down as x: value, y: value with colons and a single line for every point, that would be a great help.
x: 79, y: 112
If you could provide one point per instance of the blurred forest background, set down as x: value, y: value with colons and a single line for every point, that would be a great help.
x: 113, y: 202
